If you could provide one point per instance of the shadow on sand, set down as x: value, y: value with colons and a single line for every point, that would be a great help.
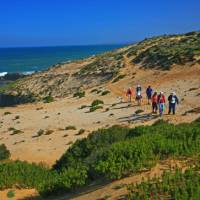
x: 138, y: 117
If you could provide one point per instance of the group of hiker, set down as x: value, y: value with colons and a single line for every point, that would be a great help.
x: 157, y: 100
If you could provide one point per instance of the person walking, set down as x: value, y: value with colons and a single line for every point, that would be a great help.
x: 129, y: 94
x: 138, y: 94
x: 149, y: 92
x: 173, y: 100
x: 154, y: 100
x: 161, y: 103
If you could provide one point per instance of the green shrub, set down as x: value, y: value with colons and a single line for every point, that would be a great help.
x: 94, y: 90
x: 8, y: 87
x: 15, y: 132
x: 23, y: 174
x: 163, y: 52
x: 97, y: 102
x: 81, y: 131
x: 39, y: 133
x: 82, y: 149
x: 105, y: 92
x: 4, y: 152
x: 79, y: 94
x: 132, y: 149
x: 70, y: 128
x: 63, y: 182
x: 7, y: 113
x: 94, y: 108
x: 172, y: 185
x: 48, y: 99
x: 17, y: 117
x: 11, y: 129
x: 10, y: 194
x: 105, y: 154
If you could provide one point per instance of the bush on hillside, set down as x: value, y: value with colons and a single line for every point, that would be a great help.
x: 4, y: 152
x: 118, y: 78
x: 92, y: 109
x: 172, y: 185
x: 105, y: 92
x: 166, y: 52
x: 132, y: 149
x: 48, y: 99
x: 105, y: 154
x: 97, y: 102
x: 79, y: 94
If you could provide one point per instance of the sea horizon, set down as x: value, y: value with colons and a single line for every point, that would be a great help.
x: 32, y: 59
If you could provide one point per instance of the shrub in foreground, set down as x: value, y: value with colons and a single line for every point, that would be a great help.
x: 4, y: 152
x: 105, y: 154
x: 173, y: 185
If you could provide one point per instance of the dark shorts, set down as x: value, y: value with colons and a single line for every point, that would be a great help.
x: 138, y: 97
x: 149, y: 96
x: 155, y: 106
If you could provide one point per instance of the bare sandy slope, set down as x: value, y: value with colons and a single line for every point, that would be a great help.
x: 64, y: 112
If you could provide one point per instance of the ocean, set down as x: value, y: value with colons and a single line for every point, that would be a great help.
x: 31, y: 59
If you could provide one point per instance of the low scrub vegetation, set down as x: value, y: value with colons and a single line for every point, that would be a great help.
x: 118, y: 78
x: 48, y: 99
x: 7, y: 113
x: 49, y: 132
x: 105, y: 92
x: 92, y: 109
x: 70, y: 128
x: 16, y: 131
x: 81, y: 131
x: 96, y: 102
x: 4, y: 152
x: 8, y: 87
x: 39, y: 133
x: 95, y: 105
x: 106, y: 154
x: 79, y: 94
x: 10, y: 194
x: 172, y: 185
x: 163, y: 52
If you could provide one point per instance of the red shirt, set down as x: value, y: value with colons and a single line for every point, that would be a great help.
x: 154, y: 99
x: 161, y: 98
x: 129, y: 92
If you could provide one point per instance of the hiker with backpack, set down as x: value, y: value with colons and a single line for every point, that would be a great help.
x: 173, y: 100
x: 149, y: 93
x: 129, y: 94
x: 138, y: 94
x: 154, y: 101
x: 161, y: 103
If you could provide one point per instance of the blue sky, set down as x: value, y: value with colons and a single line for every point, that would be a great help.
x: 80, y: 22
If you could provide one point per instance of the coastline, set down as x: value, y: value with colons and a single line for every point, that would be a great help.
x: 32, y: 59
